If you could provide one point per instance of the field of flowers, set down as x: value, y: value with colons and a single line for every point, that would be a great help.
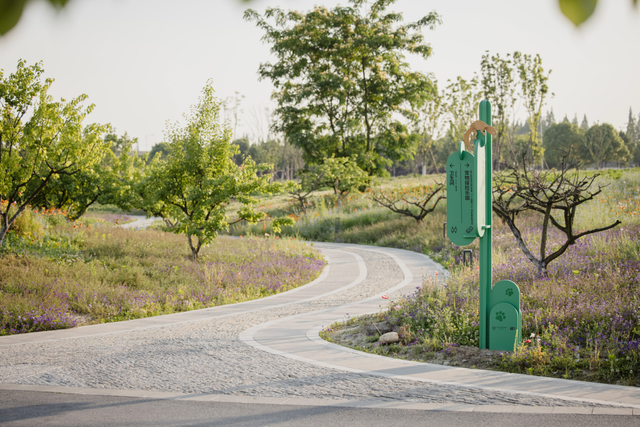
x: 58, y: 274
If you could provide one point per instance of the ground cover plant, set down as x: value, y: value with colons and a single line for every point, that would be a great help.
x: 581, y: 321
x: 56, y: 273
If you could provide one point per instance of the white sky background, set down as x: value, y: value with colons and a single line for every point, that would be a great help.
x: 143, y: 62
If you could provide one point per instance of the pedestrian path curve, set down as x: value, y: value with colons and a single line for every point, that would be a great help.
x: 269, y: 351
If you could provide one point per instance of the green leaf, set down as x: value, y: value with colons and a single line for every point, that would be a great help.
x: 578, y: 11
x: 10, y: 12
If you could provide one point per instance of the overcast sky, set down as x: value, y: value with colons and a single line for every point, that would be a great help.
x: 143, y: 62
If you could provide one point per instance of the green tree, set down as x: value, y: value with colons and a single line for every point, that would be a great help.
x: 575, y: 119
x: 633, y: 135
x: 603, y: 144
x: 341, y: 80
x: 561, y: 142
x: 161, y: 149
x: 548, y: 120
x: 461, y: 100
x: 40, y: 140
x: 585, y: 124
x: 429, y: 125
x: 534, y: 90
x: 499, y: 88
x: 109, y: 181
x: 193, y: 187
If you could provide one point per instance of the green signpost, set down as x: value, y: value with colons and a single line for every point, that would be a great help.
x: 469, y: 217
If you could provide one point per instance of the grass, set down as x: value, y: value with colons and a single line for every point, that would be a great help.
x: 356, y: 218
x: 58, y: 274
x: 581, y: 322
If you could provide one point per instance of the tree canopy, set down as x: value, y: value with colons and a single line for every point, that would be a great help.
x: 342, y: 81
x: 41, y: 141
x: 194, y: 186
x: 562, y: 141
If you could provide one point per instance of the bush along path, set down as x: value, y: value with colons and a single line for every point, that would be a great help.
x: 269, y: 348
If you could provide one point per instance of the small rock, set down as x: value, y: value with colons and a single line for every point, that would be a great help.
x: 378, y: 328
x: 389, y: 338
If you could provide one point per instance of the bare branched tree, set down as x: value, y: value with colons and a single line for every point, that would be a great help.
x: 555, y: 194
x: 403, y: 204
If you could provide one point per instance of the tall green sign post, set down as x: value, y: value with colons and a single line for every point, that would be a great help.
x: 469, y: 217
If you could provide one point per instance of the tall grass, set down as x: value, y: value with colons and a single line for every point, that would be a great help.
x: 90, y: 272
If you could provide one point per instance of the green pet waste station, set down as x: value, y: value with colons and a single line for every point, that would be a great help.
x: 469, y: 217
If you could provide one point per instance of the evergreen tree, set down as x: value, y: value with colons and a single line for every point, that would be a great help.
x: 548, y: 120
x: 575, y: 119
x: 585, y: 123
x: 565, y: 120
x: 632, y: 127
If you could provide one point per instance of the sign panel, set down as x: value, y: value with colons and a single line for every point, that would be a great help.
x: 504, y: 327
x: 461, y: 198
x: 480, y: 213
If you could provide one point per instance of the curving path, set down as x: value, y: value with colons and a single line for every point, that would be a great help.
x: 268, y: 351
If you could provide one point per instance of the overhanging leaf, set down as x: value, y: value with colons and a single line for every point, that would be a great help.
x: 578, y: 11
x: 10, y: 12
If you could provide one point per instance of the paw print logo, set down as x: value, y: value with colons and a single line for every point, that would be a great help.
x: 509, y: 292
x: 500, y: 316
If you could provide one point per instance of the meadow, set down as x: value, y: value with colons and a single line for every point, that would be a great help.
x: 60, y: 274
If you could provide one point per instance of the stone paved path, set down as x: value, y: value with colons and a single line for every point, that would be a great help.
x: 255, y: 350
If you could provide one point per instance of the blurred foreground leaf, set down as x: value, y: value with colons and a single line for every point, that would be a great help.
x: 578, y: 11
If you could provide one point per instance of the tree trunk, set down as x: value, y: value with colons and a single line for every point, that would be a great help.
x: 3, y: 233
x: 195, y: 250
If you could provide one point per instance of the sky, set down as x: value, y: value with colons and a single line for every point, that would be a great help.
x: 143, y: 63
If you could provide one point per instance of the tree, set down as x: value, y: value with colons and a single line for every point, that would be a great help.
x: 562, y: 141
x: 108, y: 182
x: 161, y: 149
x: 549, y: 120
x: 429, y: 125
x: 534, y: 90
x: 233, y: 111
x: 461, y: 100
x: 413, y: 206
x: 341, y: 80
x: 556, y: 195
x: 575, y: 119
x: 342, y: 175
x: 40, y: 140
x: 193, y: 187
x: 310, y: 181
x: 603, y: 144
x: 585, y: 123
x: 633, y: 135
x: 499, y: 88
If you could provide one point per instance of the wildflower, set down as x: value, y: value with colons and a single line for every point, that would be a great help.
x: 266, y: 234
x: 527, y: 342
x: 385, y: 296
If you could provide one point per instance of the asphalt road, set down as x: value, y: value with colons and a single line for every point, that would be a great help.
x: 25, y: 408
